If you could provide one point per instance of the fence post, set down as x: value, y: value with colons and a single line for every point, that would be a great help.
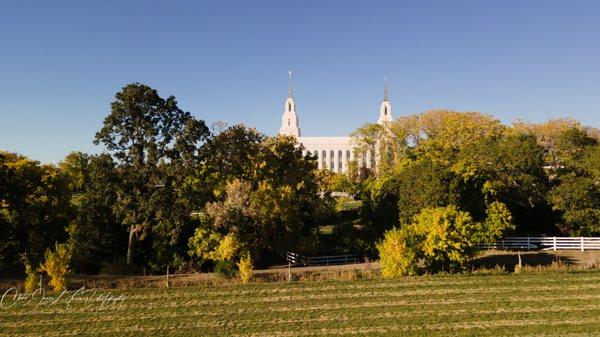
x: 168, y: 284
x: 554, y: 242
x: 582, y: 245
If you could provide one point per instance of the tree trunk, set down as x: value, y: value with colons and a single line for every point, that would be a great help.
x: 132, y: 231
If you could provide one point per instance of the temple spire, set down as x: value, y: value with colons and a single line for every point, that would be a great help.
x: 385, y: 90
x: 385, y: 110
x: 290, y: 86
x: 289, y: 120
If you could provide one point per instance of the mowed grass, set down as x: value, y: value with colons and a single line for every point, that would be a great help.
x: 537, y: 304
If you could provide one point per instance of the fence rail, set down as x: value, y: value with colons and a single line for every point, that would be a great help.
x: 508, y: 243
x: 545, y: 243
x: 295, y: 258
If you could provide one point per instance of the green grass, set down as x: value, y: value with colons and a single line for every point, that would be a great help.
x: 537, y: 304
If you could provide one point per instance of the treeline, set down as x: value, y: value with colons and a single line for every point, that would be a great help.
x: 546, y: 175
x: 169, y: 191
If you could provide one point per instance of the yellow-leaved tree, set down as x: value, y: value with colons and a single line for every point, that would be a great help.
x: 32, y: 281
x: 397, y: 255
x: 442, y: 238
x: 245, y: 268
x: 56, y: 265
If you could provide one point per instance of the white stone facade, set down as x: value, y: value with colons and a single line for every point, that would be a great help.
x: 333, y: 153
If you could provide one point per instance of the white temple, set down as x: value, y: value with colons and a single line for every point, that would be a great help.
x: 333, y: 153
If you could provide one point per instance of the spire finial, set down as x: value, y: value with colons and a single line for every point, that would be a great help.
x: 385, y: 89
x: 290, y: 86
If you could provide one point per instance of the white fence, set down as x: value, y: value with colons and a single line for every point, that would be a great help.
x: 546, y: 243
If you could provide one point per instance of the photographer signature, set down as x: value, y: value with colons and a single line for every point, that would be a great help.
x: 94, y: 298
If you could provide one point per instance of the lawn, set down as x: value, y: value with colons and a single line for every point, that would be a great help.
x: 548, y: 303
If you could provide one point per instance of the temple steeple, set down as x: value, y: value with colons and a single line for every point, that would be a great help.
x: 385, y: 110
x: 290, y: 85
x: 289, y: 120
x: 385, y: 90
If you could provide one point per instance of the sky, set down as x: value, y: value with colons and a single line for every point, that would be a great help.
x: 61, y: 62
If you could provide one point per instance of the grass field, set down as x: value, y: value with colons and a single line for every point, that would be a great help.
x: 537, y: 304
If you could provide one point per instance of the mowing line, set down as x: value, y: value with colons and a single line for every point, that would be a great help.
x: 276, y: 321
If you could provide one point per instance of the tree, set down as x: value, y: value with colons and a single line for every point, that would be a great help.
x: 367, y: 139
x: 57, y: 265
x: 223, y: 158
x: 263, y: 190
x: 420, y: 185
x: 398, y: 254
x: 245, y: 268
x: 497, y: 224
x: 510, y: 170
x: 438, y: 134
x: 555, y: 135
x: 442, y: 238
x: 447, y: 237
x: 577, y: 198
x: 34, y: 209
x: 571, y: 146
x: 142, y: 131
x: 576, y: 192
x: 96, y: 233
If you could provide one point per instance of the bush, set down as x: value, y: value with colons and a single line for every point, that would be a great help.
x: 397, y: 255
x: 444, y: 238
x: 498, y: 223
x: 448, y: 237
x: 32, y: 282
x: 245, y: 268
x: 56, y: 265
x: 227, y: 269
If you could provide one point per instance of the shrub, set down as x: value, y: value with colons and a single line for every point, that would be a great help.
x: 32, y: 282
x: 245, y: 268
x: 56, y: 265
x: 397, y: 254
x: 203, y: 243
x: 209, y: 245
x: 228, y: 248
x: 498, y: 224
x: 444, y: 238
x: 448, y: 237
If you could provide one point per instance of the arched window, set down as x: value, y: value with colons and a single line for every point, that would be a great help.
x: 289, y: 106
x: 288, y: 122
x: 385, y: 110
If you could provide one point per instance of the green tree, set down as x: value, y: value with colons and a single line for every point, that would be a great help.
x: 264, y: 190
x: 96, y: 233
x: 142, y: 132
x: 34, y: 209
x: 223, y: 158
x: 554, y: 137
x: 578, y: 200
x: 367, y: 139
x: 571, y: 147
x: 510, y: 170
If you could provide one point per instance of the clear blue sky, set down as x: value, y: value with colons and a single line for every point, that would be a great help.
x: 61, y: 62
